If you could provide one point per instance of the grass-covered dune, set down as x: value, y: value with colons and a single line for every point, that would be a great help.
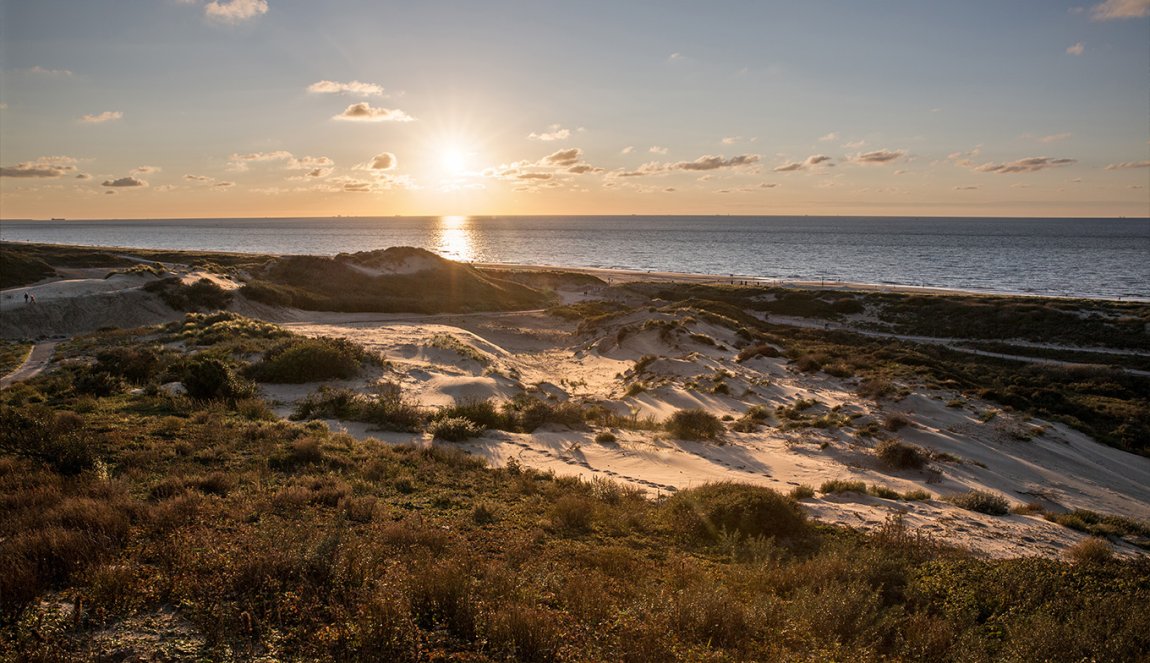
x: 395, y: 279
x: 206, y: 530
x: 139, y: 522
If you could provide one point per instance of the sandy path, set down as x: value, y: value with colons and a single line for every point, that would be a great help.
x: 36, y: 362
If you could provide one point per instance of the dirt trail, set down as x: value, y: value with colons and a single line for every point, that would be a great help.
x: 36, y: 362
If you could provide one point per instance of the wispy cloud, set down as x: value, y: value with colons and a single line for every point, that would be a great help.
x: 44, y: 71
x: 124, y: 183
x: 1076, y: 49
x: 1027, y: 165
x: 41, y: 168
x: 235, y: 11
x: 829, y: 137
x: 365, y: 112
x: 815, y: 160
x: 703, y: 163
x: 144, y: 170
x: 1054, y: 138
x: 567, y: 157
x: 553, y: 132
x: 199, y: 178
x: 878, y: 156
x: 352, y: 87
x: 99, y: 118
x: 1119, y: 9
x: 627, y: 150
x: 657, y: 149
x: 1128, y: 165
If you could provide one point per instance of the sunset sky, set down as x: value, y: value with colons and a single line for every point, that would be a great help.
x: 186, y: 108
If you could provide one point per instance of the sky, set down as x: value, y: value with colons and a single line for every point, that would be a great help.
x: 253, y: 108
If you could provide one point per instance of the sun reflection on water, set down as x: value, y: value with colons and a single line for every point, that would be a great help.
x: 454, y: 238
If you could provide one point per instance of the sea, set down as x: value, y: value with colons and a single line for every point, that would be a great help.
x: 1096, y: 258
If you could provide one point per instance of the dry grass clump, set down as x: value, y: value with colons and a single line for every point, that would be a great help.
x: 900, y: 455
x: 982, y: 502
x: 703, y: 514
x: 1091, y: 550
x: 454, y: 429
x: 694, y: 424
x: 843, y: 486
x: 298, y: 360
x: 757, y: 350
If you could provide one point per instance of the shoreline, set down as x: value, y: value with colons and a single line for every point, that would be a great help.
x: 626, y: 275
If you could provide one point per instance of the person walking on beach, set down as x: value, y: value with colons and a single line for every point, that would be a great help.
x: 25, y: 298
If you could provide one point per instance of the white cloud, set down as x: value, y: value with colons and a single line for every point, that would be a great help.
x: 1027, y: 165
x: 829, y: 137
x: 878, y: 156
x: 1120, y: 9
x: 353, y: 87
x: 815, y: 160
x: 703, y: 163
x: 676, y: 57
x: 1054, y: 138
x: 657, y: 149
x: 383, y: 161
x: 235, y: 11
x: 854, y: 144
x: 1077, y: 49
x: 144, y: 170
x: 627, y: 150
x: 1128, y: 164
x: 199, y: 178
x: 125, y: 182
x: 43, y: 167
x: 553, y: 132
x: 567, y: 157
x: 365, y: 112
x: 106, y: 116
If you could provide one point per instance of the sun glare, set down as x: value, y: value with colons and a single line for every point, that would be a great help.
x: 454, y: 161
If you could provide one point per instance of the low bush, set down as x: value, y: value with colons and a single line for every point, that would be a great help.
x: 694, y: 424
x: 707, y: 513
x: 843, y: 486
x: 299, y: 360
x: 885, y: 492
x: 802, y: 492
x: 37, y: 432
x: 900, y: 455
x: 454, y: 429
x: 982, y: 502
x: 758, y: 350
x: 203, y: 295
x: 605, y: 437
x: 209, y: 378
x: 525, y: 413
x: 482, y: 412
x: 1091, y: 550
x: 387, y: 409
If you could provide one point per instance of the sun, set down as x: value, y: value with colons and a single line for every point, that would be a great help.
x: 453, y: 160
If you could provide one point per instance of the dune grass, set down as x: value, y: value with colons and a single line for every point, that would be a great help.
x: 290, y: 541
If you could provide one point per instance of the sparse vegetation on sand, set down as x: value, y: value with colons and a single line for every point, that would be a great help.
x: 982, y: 502
x: 694, y: 424
x: 12, y: 354
x: 203, y: 295
x: 281, y: 540
x: 297, y: 360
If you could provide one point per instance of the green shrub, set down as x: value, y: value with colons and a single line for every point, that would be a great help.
x: 199, y: 296
x: 525, y: 413
x: 982, y: 502
x: 900, y: 455
x: 694, y: 424
x: 482, y: 412
x: 388, y: 409
x: 605, y: 437
x: 37, y: 432
x: 759, y: 350
x: 454, y: 429
x: 843, y: 486
x: 802, y: 492
x: 885, y: 492
x: 916, y: 495
x: 209, y: 378
x: 706, y: 513
x: 300, y: 360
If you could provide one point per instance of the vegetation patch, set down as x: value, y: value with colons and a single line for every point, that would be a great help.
x: 705, y: 513
x: 982, y: 502
x: 900, y: 455
x: 298, y: 360
x: 694, y: 424
x: 203, y: 295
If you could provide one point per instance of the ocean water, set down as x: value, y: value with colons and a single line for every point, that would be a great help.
x: 1066, y: 257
